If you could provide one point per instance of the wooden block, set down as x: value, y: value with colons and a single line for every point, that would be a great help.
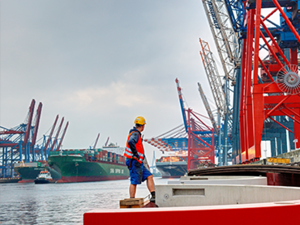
x: 131, y: 202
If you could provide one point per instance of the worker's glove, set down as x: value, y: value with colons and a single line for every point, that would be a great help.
x: 137, y: 156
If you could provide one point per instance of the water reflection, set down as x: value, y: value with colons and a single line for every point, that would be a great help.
x: 61, y: 203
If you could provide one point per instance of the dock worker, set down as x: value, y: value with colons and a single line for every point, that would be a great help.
x: 134, y: 153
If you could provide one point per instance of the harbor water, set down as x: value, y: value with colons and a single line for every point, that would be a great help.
x: 30, y: 203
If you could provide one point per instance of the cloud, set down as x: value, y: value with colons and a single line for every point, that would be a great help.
x: 100, y: 64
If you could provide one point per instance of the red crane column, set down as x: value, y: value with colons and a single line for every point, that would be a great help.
x: 273, y: 97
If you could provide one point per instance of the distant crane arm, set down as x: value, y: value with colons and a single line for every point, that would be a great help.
x: 207, y: 107
x: 55, y: 140
x: 36, y: 124
x: 96, y: 141
x: 28, y: 127
x: 51, y: 132
x: 63, y: 135
x: 181, y: 104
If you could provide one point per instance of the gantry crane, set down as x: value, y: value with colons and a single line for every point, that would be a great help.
x: 20, y: 142
x: 208, y: 109
x: 199, y: 149
x: 266, y: 86
x: 221, y: 97
x: 270, y: 79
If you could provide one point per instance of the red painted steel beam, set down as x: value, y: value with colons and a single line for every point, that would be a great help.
x: 257, y: 103
x: 207, y: 127
x: 293, y: 99
x: 275, y: 43
x: 248, y: 120
x: 281, y: 125
x: 11, y: 132
x: 287, y: 114
x: 270, y: 14
x: 288, y: 22
x: 279, y: 103
x: 8, y: 144
x: 271, y: 50
x: 265, y: 68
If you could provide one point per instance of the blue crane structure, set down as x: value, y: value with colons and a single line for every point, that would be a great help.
x: 175, y: 139
x: 193, y: 138
x: 20, y: 142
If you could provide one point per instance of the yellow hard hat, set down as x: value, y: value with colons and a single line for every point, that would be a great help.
x: 140, y: 120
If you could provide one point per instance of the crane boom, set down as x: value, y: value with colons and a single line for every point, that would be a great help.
x: 96, y: 141
x: 28, y: 127
x: 181, y: 104
x: 106, y: 141
x: 59, y: 128
x: 51, y: 132
x: 63, y: 135
x: 224, y: 35
x: 36, y: 124
x: 208, y: 109
x: 213, y: 77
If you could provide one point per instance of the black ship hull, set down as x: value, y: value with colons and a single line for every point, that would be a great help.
x: 172, y: 169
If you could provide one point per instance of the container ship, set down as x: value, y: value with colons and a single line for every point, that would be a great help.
x: 30, y: 171
x: 88, y: 165
x: 172, y: 164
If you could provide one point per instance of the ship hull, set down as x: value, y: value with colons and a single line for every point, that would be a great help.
x: 76, y: 169
x: 172, y: 169
x: 43, y: 181
x: 10, y: 180
x: 29, y: 174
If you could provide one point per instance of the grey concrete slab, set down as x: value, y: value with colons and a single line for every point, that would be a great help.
x: 174, y: 195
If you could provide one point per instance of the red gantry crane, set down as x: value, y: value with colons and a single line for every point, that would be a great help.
x: 200, y: 136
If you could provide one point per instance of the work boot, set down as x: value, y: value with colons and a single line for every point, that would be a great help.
x: 152, y: 199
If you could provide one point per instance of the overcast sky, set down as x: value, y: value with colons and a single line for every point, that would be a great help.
x: 100, y: 64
